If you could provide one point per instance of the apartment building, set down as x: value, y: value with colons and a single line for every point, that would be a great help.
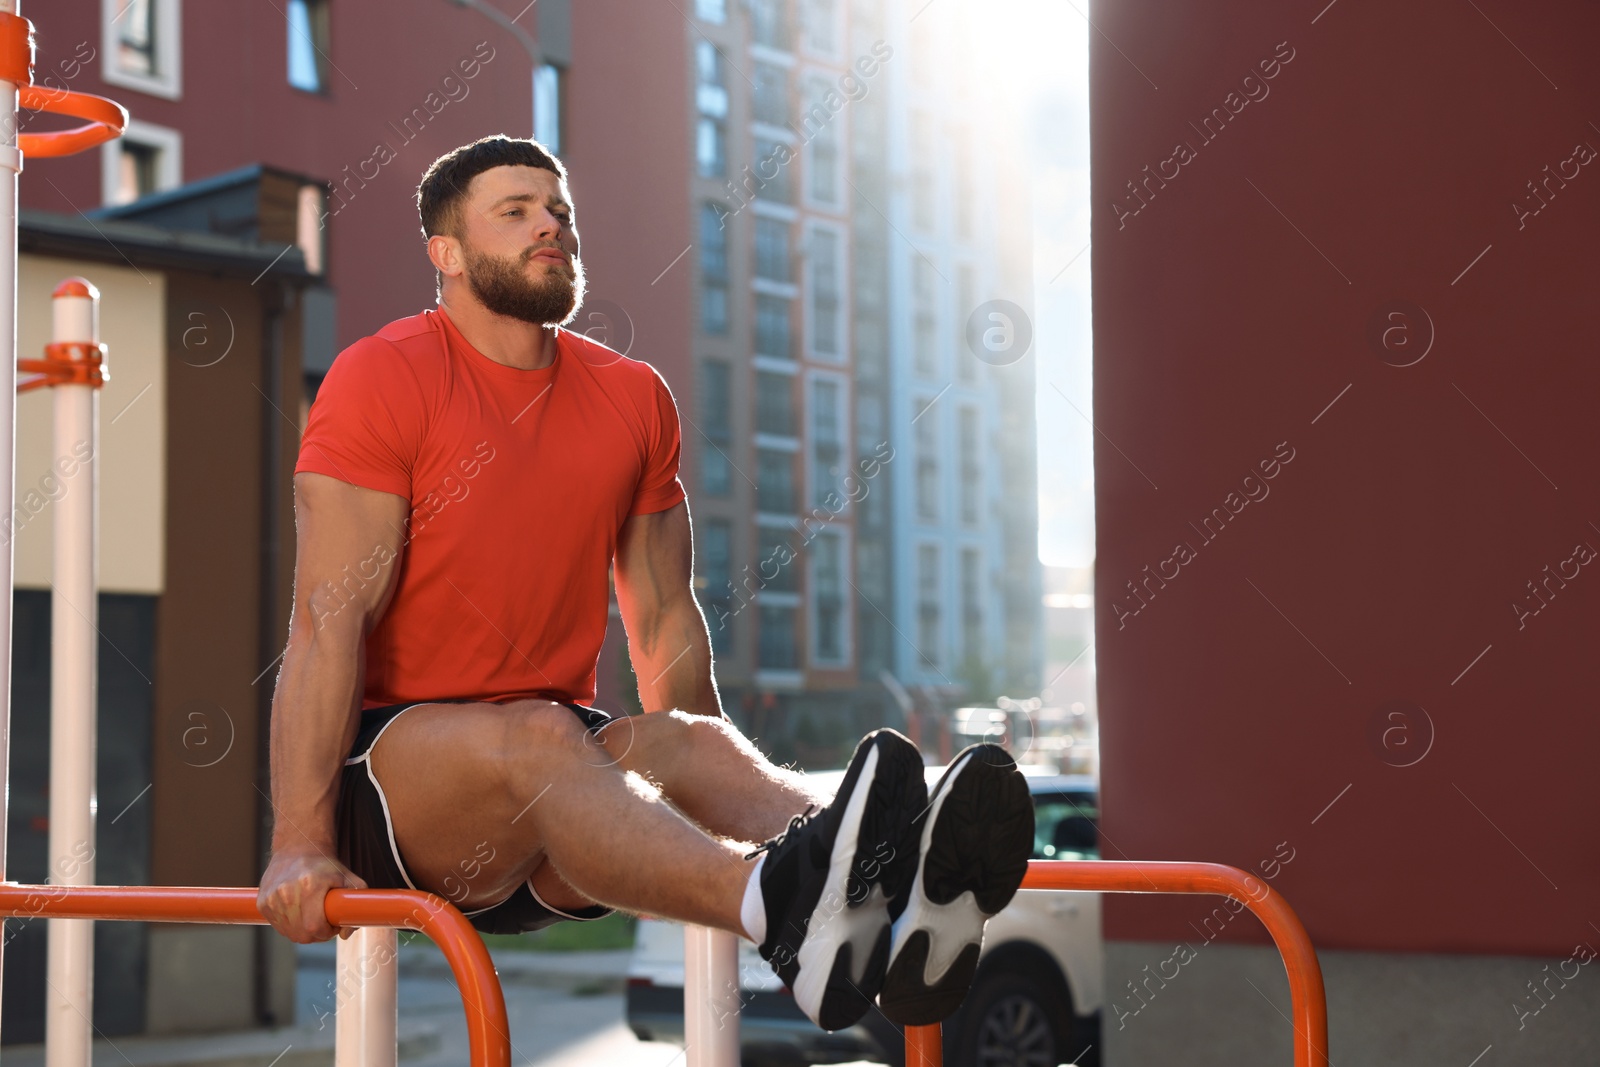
x: 865, y: 492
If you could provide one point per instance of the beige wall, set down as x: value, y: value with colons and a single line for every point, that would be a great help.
x: 132, y: 435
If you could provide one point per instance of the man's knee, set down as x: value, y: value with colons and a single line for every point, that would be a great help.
x: 657, y: 742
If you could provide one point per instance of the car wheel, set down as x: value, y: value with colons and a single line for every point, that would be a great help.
x: 1011, y: 1020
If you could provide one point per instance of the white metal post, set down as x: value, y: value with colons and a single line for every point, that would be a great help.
x: 10, y: 166
x: 710, y: 997
x: 367, y: 998
x: 70, y: 961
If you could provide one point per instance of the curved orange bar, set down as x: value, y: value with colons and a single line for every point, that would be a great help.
x: 488, y: 1031
x: 107, y: 120
x: 1309, y: 997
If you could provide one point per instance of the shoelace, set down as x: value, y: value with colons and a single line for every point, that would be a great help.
x: 794, y: 824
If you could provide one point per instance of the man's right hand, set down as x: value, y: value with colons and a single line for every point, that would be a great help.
x: 292, y: 892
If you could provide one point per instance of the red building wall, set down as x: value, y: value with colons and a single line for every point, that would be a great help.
x: 1243, y: 308
x: 629, y: 145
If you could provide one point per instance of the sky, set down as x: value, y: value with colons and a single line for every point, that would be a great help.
x: 1039, y: 49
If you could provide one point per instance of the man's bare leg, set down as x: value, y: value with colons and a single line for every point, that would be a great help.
x: 710, y: 771
x: 482, y: 794
x: 707, y: 769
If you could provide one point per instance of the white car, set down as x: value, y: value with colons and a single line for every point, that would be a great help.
x: 1035, y: 1001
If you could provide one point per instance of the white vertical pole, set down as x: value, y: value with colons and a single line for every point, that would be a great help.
x: 367, y: 998
x: 70, y: 958
x: 710, y: 997
x: 10, y: 165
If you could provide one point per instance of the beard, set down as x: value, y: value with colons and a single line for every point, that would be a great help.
x: 502, y: 284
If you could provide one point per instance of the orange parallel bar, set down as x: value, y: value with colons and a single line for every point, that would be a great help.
x: 488, y: 1031
x: 1306, y: 991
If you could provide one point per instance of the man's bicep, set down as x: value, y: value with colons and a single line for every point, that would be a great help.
x: 348, y: 542
x: 655, y: 558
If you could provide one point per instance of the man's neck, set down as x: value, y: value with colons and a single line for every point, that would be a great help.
x: 524, y: 345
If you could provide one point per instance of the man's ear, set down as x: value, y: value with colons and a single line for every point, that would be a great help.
x: 444, y: 252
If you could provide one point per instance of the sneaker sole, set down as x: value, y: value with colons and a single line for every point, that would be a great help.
x: 844, y: 956
x: 975, y: 847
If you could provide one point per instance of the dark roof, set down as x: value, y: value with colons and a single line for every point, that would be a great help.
x: 140, y: 244
x: 200, y: 190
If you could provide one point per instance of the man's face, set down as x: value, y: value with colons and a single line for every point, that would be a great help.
x: 518, y: 245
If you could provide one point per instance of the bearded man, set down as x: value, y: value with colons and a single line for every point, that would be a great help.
x: 468, y: 479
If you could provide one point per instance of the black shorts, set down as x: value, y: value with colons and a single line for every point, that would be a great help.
x: 366, y: 835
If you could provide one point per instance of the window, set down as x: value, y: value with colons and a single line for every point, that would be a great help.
x: 711, y: 10
x: 140, y: 39
x: 922, y: 213
x: 716, y: 568
x: 310, y: 234
x: 772, y: 249
x: 775, y: 403
x: 827, y: 443
x: 136, y: 38
x: 825, y: 325
x: 827, y: 597
x: 714, y: 308
x: 711, y: 148
x: 775, y: 481
x: 1066, y: 826
x: 823, y: 173
x: 308, y: 44
x: 711, y: 100
x: 777, y: 649
x: 776, y: 566
x: 927, y: 438
x: 966, y: 304
x: 711, y: 85
x: 547, y: 106
x: 869, y: 424
x: 138, y: 175
x: 772, y: 326
x: 971, y: 606
x: 965, y: 206
x: 819, y: 26
x: 925, y: 336
x: 872, y: 575
x: 967, y: 446
x: 713, y: 268
x: 716, y: 411
x: 928, y: 598
x: 770, y: 98
x: 772, y: 168
x: 145, y: 160
x: 768, y: 26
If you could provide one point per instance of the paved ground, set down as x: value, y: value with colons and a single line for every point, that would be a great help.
x: 565, y: 1009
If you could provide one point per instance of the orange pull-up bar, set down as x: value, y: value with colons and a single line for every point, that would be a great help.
x: 1306, y: 992
x: 488, y: 1033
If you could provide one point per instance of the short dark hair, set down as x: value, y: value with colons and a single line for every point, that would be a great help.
x: 444, y: 185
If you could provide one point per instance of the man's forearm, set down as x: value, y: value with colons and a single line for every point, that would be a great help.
x: 673, y: 662
x: 313, y: 722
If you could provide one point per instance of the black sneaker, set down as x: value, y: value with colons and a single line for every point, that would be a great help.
x: 975, y: 838
x: 828, y: 878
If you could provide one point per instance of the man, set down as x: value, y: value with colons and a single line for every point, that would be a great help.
x: 467, y: 478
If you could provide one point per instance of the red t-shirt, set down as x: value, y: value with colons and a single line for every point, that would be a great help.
x: 519, y: 482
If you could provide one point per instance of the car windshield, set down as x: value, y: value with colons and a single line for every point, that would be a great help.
x: 1066, y: 826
